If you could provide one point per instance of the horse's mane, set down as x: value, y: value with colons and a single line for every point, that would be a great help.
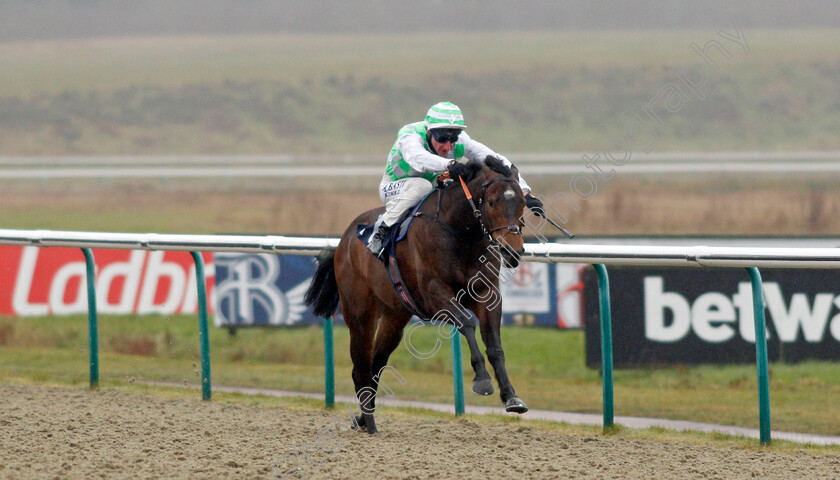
x: 492, y: 162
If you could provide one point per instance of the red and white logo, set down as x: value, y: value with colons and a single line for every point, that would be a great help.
x: 51, y: 281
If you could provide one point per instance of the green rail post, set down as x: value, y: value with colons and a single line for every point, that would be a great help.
x: 204, y: 340
x: 93, y: 334
x: 329, y: 363
x: 606, y: 344
x: 761, y: 356
x: 457, y: 373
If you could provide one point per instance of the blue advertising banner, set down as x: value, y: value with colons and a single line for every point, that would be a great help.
x: 267, y: 290
x: 262, y: 290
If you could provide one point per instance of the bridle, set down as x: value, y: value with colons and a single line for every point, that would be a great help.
x: 512, y: 229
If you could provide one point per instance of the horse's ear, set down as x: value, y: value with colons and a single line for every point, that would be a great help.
x: 495, y: 163
x: 514, y: 171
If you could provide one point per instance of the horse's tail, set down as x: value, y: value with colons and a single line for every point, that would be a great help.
x: 323, y: 291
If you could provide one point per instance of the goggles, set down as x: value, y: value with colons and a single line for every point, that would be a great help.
x: 443, y: 135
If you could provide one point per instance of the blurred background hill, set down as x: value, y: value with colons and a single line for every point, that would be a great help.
x: 264, y: 77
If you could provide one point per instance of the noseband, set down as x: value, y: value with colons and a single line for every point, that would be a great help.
x: 512, y: 229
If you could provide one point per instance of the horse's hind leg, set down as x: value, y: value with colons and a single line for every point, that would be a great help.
x: 388, y: 336
x: 362, y: 327
x: 360, y: 352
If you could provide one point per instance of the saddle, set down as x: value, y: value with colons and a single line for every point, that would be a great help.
x: 389, y: 244
x: 395, y: 234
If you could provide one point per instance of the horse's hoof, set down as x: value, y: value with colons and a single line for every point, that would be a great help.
x: 370, y: 425
x: 360, y: 423
x: 515, y: 405
x: 483, y: 387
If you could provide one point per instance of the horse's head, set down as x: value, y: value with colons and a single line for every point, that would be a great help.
x: 501, y: 204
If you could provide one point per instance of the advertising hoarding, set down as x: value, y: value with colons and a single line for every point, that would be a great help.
x: 672, y: 316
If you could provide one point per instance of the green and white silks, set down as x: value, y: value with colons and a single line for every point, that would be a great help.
x: 412, y: 157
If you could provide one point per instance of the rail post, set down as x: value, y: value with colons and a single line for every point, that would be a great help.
x: 457, y: 373
x: 606, y: 343
x: 761, y: 356
x: 329, y: 363
x: 93, y: 333
x: 203, y: 338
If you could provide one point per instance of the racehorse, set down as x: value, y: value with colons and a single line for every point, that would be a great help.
x: 450, y: 262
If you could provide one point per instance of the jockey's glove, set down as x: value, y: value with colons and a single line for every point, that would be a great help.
x: 535, y: 204
x: 456, y: 169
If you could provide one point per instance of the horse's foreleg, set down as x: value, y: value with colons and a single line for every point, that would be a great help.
x: 482, y: 385
x: 490, y: 322
x: 446, y: 307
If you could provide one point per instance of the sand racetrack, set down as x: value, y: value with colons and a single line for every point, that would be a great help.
x: 50, y: 432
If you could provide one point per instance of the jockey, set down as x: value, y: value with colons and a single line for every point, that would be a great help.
x: 422, y: 152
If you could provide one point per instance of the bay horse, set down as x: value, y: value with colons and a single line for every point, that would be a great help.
x: 450, y: 260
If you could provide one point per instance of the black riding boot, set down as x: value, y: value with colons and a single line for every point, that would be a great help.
x: 375, y: 245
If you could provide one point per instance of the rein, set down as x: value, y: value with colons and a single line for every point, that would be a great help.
x: 477, y: 210
x: 514, y: 229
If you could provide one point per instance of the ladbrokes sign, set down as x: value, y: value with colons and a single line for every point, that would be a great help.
x: 681, y: 315
x: 46, y: 281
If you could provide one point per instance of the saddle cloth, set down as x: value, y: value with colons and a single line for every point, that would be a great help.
x: 396, y: 233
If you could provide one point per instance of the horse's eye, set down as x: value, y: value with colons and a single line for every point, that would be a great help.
x: 491, y: 203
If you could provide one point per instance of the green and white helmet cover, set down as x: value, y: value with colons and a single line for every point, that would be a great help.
x: 445, y: 115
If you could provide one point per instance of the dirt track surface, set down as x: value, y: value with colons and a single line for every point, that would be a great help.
x: 63, y: 433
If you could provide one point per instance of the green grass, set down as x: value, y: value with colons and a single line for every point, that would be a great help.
x: 545, y: 365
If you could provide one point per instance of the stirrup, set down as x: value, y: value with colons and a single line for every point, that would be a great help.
x: 375, y: 246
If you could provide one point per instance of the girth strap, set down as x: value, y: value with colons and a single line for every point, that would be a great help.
x: 399, y: 287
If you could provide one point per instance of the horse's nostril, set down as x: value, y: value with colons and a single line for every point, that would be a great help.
x: 510, y: 256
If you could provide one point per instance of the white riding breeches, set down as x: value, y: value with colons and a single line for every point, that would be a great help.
x: 400, y: 195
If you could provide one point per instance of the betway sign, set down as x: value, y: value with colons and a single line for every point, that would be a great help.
x: 44, y: 281
x: 717, y: 318
x: 668, y: 315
